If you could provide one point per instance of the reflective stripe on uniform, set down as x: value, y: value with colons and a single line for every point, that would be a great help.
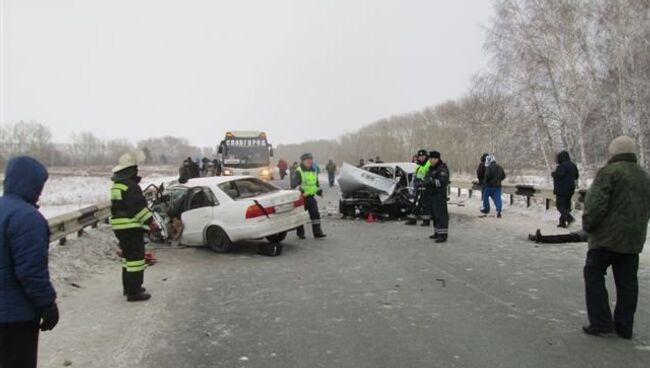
x: 126, y: 223
x: 134, y: 266
x: 116, y: 191
x: 144, y: 215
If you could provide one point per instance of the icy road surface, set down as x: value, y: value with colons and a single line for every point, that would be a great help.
x: 369, y: 295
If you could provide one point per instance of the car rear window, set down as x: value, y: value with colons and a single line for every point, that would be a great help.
x: 247, y: 188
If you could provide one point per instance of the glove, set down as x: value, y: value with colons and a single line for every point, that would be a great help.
x: 320, y: 193
x: 49, y: 317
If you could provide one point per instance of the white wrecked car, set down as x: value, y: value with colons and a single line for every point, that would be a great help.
x: 384, y: 189
x: 219, y: 211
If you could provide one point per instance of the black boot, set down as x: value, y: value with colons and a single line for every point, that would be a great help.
x: 318, y: 232
x: 139, y: 297
x: 441, y: 239
x: 411, y: 222
x: 301, y: 232
x: 142, y: 290
x: 426, y: 223
x: 434, y: 236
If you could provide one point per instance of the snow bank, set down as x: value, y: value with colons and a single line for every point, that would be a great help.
x: 73, y: 263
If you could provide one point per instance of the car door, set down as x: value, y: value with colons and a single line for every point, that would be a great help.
x: 197, y: 215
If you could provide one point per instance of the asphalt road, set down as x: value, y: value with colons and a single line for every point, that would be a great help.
x: 369, y: 295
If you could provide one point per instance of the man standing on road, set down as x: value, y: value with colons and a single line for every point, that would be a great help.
x: 422, y: 197
x: 331, y: 172
x: 616, y: 214
x: 306, y: 180
x: 130, y: 218
x: 436, y: 182
x: 480, y: 175
x: 494, y: 175
x: 282, y: 167
x: 362, y: 163
x: 564, y: 186
x: 27, y: 297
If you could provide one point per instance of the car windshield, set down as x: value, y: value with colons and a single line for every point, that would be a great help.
x: 247, y: 188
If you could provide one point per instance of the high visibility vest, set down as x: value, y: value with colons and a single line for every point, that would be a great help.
x: 122, y: 223
x: 308, y: 182
x: 422, y: 170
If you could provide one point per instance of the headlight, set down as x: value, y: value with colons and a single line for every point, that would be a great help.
x: 265, y: 172
x: 227, y: 172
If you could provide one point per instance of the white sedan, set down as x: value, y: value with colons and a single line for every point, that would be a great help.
x: 218, y: 211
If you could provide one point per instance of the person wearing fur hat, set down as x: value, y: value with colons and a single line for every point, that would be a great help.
x: 305, y: 179
x: 436, y: 183
x: 616, y: 214
x: 130, y: 218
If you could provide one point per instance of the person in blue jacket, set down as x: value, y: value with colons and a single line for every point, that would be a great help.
x: 27, y: 297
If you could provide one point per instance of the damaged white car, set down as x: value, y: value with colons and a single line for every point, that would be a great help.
x: 220, y: 211
x: 384, y: 189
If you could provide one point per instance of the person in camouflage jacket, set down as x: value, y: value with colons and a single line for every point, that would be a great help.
x: 616, y: 214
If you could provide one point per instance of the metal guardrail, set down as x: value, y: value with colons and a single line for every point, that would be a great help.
x: 529, y: 192
x: 76, y: 221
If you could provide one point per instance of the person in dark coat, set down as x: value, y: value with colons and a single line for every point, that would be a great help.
x: 616, y: 214
x: 283, y: 167
x: 216, y: 167
x: 331, y: 172
x: 27, y: 297
x: 194, y: 169
x: 436, y: 182
x: 480, y: 174
x: 494, y: 175
x: 564, y: 186
x: 184, y: 173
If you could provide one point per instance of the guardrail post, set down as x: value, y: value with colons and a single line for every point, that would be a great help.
x: 528, y: 201
x: 459, y: 192
x: 470, y: 193
x: 512, y: 199
x: 62, y: 241
x: 548, y: 204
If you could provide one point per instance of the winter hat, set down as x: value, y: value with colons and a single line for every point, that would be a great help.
x: 489, y: 159
x: 434, y: 154
x: 422, y: 152
x: 306, y: 156
x: 622, y: 145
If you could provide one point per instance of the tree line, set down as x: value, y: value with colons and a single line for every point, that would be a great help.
x: 563, y: 75
x: 35, y: 139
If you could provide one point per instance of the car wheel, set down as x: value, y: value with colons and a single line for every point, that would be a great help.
x: 277, y: 238
x: 218, y: 240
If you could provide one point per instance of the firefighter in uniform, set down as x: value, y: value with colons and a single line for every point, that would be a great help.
x: 130, y: 218
x: 422, y: 196
x: 437, y: 182
x: 305, y: 179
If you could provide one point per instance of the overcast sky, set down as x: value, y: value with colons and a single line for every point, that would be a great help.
x: 299, y: 69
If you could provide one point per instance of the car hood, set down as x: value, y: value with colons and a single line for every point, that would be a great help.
x: 353, y: 179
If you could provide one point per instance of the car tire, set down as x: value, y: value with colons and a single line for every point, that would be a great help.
x: 277, y: 238
x: 218, y: 240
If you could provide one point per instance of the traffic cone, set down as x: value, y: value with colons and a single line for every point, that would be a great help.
x: 371, y: 218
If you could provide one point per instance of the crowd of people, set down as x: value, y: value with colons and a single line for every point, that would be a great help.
x: 191, y: 169
x: 614, y: 223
